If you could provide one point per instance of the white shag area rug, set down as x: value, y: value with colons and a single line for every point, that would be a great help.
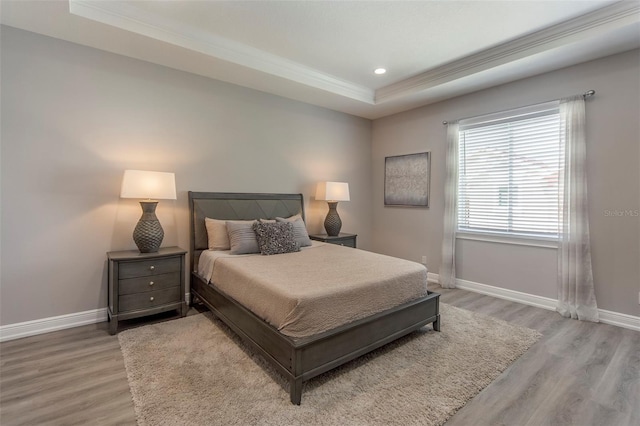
x: 195, y: 371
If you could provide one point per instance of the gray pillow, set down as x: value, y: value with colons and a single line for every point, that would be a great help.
x: 275, y: 238
x: 242, y: 239
x: 299, y: 229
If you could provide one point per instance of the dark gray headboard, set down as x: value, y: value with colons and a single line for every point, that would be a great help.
x: 235, y: 206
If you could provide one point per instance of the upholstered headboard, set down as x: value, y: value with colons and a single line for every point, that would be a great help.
x: 235, y: 206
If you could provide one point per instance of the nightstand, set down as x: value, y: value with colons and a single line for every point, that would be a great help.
x: 143, y: 284
x: 347, y: 240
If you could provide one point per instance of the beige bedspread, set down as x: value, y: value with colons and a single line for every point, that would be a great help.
x: 317, y: 289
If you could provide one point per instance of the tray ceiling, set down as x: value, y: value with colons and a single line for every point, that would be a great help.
x: 324, y: 53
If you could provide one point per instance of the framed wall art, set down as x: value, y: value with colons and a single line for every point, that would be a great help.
x: 406, y: 180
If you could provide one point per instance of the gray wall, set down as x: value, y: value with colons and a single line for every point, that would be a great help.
x: 73, y: 118
x: 613, y: 133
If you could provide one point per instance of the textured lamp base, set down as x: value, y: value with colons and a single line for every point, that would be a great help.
x: 148, y: 233
x: 332, y: 223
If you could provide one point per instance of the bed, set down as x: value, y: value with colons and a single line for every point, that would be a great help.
x: 299, y: 358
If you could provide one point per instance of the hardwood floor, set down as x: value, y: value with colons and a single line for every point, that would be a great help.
x: 577, y: 374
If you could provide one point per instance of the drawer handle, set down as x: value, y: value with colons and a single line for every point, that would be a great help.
x: 151, y: 299
x: 151, y: 283
x: 152, y: 267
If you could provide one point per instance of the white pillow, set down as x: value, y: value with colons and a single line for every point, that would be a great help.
x: 217, y: 234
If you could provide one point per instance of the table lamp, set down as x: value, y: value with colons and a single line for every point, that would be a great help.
x: 151, y: 186
x: 332, y: 192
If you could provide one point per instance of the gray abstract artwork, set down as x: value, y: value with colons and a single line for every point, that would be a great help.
x: 406, y: 180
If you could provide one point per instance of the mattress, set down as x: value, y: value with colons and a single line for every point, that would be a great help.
x: 316, y: 289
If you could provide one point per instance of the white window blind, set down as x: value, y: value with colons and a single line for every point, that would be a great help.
x: 509, y: 173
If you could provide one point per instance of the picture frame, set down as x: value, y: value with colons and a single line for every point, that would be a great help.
x: 407, y: 180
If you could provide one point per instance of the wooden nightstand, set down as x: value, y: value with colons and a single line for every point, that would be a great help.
x: 145, y: 283
x: 347, y: 240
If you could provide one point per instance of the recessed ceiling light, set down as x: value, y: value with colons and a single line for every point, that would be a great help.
x: 380, y: 71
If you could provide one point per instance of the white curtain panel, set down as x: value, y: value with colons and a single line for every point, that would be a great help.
x: 447, y: 272
x: 576, y: 296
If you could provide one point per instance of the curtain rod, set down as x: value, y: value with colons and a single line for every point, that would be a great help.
x: 587, y: 94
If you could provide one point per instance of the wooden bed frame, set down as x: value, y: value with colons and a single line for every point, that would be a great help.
x: 299, y: 359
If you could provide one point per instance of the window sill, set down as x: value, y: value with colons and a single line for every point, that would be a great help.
x: 500, y: 239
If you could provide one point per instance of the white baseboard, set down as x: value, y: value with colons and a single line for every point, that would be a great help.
x: 433, y: 278
x: 606, y: 317
x: 512, y: 295
x: 46, y: 325
x: 621, y: 320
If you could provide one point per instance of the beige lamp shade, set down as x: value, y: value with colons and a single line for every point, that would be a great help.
x: 148, y: 185
x: 332, y: 191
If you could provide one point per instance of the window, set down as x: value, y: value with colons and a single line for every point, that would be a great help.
x: 509, y: 173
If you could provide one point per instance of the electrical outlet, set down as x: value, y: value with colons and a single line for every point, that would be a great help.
x: 424, y: 260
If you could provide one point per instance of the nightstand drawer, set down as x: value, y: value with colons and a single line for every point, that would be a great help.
x: 149, y: 267
x: 132, y: 302
x: 347, y: 242
x: 149, y: 283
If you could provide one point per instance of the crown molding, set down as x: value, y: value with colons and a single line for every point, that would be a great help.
x: 130, y: 18
x: 609, y: 18
x: 348, y: 96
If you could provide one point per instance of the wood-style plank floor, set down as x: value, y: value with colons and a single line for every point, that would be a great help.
x: 577, y: 374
